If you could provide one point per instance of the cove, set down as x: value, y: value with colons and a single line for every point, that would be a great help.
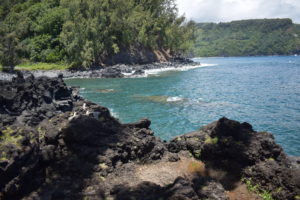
x: 264, y: 91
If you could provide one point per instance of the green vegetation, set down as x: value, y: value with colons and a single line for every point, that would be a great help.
x: 265, y: 195
x: 9, y: 46
x: 248, y: 38
x: 41, y: 133
x: 271, y: 159
x: 9, y: 136
x: 86, y: 33
x: 210, y: 140
x: 3, y: 156
x: 197, y: 154
x: 42, y: 66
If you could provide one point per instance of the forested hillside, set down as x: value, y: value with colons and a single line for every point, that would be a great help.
x: 89, y: 32
x: 248, y: 38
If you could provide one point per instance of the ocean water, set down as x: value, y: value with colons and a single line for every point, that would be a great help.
x: 264, y: 91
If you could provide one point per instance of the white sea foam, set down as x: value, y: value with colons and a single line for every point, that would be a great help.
x: 174, y: 99
x: 185, y: 68
x: 156, y: 72
x: 128, y: 74
x: 113, y: 113
x: 208, y: 64
x: 83, y: 91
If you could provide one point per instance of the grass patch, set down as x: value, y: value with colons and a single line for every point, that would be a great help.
x: 265, y: 195
x: 43, y: 66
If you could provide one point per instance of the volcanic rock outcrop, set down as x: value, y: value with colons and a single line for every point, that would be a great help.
x: 56, y: 145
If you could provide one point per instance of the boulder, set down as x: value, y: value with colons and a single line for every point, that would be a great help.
x: 112, y: 72
x: 138, y: 72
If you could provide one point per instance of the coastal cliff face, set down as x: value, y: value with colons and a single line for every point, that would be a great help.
x: 138, y: 55
x: 56, y: 145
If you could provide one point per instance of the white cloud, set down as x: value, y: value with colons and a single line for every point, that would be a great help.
x: 228, y: 10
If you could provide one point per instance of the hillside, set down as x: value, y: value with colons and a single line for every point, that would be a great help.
x: 90, y: 33
x: 248, y: 38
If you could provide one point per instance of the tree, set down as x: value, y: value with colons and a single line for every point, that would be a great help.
x: 248, y: 38
x: 83, y: 34
x: 9, y: 50
x: 89, y: 32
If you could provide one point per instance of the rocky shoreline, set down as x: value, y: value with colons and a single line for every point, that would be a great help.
x: 56, y: 145
x: 115, y: 71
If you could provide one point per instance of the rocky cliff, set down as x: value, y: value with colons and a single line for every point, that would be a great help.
x: 56, y: 145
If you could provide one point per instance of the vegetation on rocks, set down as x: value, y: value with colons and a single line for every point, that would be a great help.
x: 265, y: 195
x: 9, y: 136
x: 210, y: 140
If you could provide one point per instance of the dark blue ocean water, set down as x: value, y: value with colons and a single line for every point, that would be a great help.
x: 264, y: 91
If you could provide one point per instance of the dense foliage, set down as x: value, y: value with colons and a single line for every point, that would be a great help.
x: 86, y: 32
x: 248, y: 38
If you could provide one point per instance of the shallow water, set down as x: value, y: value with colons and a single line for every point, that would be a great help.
x: 264, y: 91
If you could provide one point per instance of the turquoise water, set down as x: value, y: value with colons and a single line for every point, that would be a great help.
x: 264, y: 91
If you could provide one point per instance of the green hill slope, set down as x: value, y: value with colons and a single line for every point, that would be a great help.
x: 248, y: 38
x: 90, y: 32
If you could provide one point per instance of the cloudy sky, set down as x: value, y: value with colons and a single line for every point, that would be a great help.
x: 228, y: 10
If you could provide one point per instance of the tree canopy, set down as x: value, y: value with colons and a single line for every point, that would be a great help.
x: 248, y: 38
x: 86, y: 32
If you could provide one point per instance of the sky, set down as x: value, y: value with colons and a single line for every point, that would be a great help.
x: 229, y: 10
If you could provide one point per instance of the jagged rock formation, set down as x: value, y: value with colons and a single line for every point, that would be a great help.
x: 242, y: 152
x: 56, y: 145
